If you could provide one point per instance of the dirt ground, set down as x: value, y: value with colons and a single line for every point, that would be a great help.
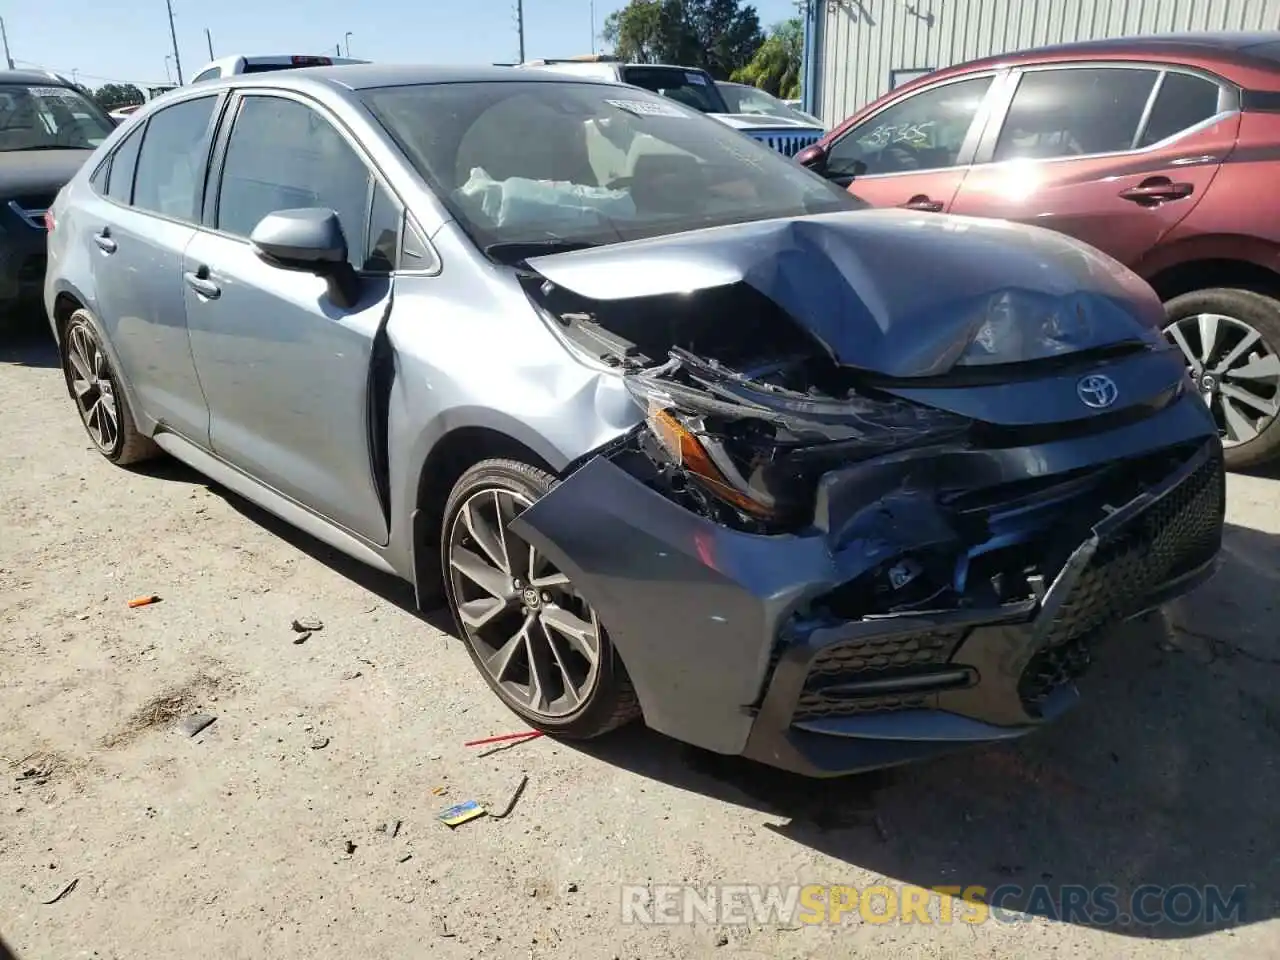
x: 273, y: 833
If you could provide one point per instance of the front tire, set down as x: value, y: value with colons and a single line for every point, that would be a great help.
x: 536, y: 641
x: 1230, y: 339
x: 95, y: 389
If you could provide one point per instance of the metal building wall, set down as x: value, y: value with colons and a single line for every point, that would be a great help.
x: 858, y: 45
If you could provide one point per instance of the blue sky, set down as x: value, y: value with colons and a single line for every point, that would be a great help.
x: 130, y: 41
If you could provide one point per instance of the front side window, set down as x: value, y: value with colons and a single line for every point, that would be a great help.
x: 123, y: 164
x: 1075, y: 112
x: 283, y: 155
x: 49, y: 118
x: 588, y: 163
x: 1183, y: 101
x: 172, y: 162
x: 923, y: 132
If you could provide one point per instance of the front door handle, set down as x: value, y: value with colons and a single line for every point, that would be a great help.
x: 1157, y: 190
x: 922, y: 202
x: 104, y: 241
x: 199, y: 282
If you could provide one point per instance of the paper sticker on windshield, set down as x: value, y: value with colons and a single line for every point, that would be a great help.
x: 61, y: 93
x: 696, y: 78
x: 649, y: 108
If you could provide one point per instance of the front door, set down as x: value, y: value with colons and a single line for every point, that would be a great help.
x: 914, y: 153
x: 286, y: 369
x: 1115, y: 156
x: 139, y: 231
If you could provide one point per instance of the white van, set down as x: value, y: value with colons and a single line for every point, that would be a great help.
x: 230, y: 66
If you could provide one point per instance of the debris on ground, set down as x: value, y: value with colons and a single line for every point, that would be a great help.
x: 521, y: 737
x: 391, y: 828
x: 406, y: 858
x: 461, y: 813
x: 319, y: 743
x: 350, y: 674
x: 302, y: 637
x: 196, y: 723
x: 349, y: 847
x: 515, y: 798
x: 307, y: 625
x: 570, y: 887
x: 144, y: 601
x: 439, y: 791
x: 62, y: 893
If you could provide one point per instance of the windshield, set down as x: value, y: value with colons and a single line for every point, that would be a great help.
x: 49, y: 118
x: 567, y: 163
x: 759, y: 103
x: 693, y: 88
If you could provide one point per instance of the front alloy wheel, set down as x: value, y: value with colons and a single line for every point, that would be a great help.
x: 1229, y: 340
x: 536, y: 639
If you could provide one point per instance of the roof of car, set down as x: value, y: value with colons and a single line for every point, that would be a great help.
x: 361, y: 76
x: 1225, y: 45
x: 33, y: 77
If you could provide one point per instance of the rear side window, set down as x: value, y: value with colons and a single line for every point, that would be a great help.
x: 284, y: 155
x: 171, y: 164
x: 1183, y: 101
x: 123, y: 163
x: 213, y: 73
x: 1075, y: 112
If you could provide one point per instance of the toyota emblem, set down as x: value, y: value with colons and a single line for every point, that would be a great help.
x: 1097, y: 391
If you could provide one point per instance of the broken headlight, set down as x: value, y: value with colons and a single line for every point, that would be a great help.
x: 762, y: 453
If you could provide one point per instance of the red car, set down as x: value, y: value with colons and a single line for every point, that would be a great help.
x: 1163, y: 152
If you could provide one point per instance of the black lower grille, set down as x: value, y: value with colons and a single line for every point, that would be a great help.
x: 1179, y: 533
x: 1052, y: 668
x: 867, y: 658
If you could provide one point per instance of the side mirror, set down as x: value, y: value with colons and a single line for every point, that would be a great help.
x: 308, y: 240
x: 814, y: 157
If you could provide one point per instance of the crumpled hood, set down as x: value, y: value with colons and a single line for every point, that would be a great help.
x: 26, y: 172
x: 895, y: 292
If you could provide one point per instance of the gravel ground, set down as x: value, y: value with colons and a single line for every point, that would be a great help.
x: 273, y: 832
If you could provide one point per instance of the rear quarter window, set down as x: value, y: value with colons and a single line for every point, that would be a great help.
x: 1183, y: 101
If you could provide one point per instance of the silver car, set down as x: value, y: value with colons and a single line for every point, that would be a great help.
x: 674, y: 427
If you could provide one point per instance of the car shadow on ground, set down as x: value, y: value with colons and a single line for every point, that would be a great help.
x: 28, y: 344
x: 1164, y: 775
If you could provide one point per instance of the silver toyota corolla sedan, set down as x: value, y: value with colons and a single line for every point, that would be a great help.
x: 674, y: 427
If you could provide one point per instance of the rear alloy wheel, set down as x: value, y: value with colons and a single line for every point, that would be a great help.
x: 1230, y: 339
x: 535, y: 638
x: 102, y: 405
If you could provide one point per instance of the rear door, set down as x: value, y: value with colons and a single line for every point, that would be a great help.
x: 284, y: 367
x: 915, y: 151
x: 1113, y: 154
x: 139, y: 231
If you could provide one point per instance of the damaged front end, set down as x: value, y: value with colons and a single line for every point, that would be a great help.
x: 832, y: 569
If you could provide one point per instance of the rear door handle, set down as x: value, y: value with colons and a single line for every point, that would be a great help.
x: 921, y: 202
x: 104, y: 241
x: 1155, y: 190
x: 199, y: 282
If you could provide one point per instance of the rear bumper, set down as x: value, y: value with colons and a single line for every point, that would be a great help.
x: 730, y: 640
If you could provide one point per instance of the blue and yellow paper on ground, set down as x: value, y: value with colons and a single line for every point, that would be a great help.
x: 460, y: 813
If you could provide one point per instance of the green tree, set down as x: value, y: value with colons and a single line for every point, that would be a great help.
x: 718, y: 35
x: 112, y: 96
x: 775, y: 67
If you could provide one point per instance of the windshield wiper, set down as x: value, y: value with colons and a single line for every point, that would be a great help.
x: 43, y: 146
x: 514, y: 251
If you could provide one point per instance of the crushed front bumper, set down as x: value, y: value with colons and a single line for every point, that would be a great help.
x: 717, y: 630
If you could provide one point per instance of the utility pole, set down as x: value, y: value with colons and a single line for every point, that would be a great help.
x: 347, y: 38
x: 208, y: 38
x: 337, y: 49
x: 173, y: 35
x: 593, y: 26
x: 5, y: 33
x: 520, y: 26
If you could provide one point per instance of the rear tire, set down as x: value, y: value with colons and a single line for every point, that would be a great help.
x: 1240, y: 332
x: 95, y: 389
x: 533, y: 637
